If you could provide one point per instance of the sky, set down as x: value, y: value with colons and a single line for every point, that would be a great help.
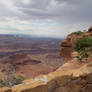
x: 47, y: 18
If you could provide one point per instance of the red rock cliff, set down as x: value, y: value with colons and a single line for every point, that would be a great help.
x: 69, y: 41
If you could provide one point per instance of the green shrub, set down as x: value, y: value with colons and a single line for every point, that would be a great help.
x: 9, y: 77
x: 82, y: 55
x: 20, y: 78
x: 79, y: 58
x: 77, y: 33
x: 12, y: 81
x: 82, y: 44
x: 85, y: 55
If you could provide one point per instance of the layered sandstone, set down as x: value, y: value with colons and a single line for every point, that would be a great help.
x: 62, y: 80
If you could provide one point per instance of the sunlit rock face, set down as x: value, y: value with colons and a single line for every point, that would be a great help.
x: 63, y: 79
x: 81, y: 82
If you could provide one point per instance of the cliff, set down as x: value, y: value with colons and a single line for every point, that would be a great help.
x: 70, y: 40
x: 73, y: 76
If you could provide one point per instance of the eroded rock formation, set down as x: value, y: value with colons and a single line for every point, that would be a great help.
x: 69, y: 41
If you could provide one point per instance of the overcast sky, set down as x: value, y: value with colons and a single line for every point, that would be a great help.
x: 52, y: 18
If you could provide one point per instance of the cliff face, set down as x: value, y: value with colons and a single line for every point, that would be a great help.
x: 71, y: 77
x: 69, y: 41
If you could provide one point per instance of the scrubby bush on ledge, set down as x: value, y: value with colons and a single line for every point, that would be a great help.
x: 83, y: 46
x: 77, y: 33
x: 82, y: 55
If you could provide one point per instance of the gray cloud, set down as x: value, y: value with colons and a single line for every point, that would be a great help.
x: 64, y: 12
x: 77, y: 10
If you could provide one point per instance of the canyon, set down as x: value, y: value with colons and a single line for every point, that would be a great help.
x: 30, y: 56
x: 72, y: 76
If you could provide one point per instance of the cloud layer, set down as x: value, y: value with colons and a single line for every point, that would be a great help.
x: 55, y: 18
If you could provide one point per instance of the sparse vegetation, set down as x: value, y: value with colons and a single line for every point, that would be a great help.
x: 77, y: 33
x: 82, y: 55
x: 9, y: 77
x: 20, y: 78
x: 83, y: 46
x: 12, y: 81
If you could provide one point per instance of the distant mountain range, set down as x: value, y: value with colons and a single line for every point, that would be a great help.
x: 26, y: 35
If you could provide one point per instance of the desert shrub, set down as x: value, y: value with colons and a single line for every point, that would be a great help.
x: 13, y: 81
x: 82, y: 44
x: 77, y: 33
x: 85, y: 55
x: 10, y: 79
x: 82, y: 55
x: 79, y: 58
x: 20, y: 78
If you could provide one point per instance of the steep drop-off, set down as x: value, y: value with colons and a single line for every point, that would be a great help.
x: 69, y: 41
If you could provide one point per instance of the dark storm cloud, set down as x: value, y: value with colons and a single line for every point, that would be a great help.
x: 64, y: 10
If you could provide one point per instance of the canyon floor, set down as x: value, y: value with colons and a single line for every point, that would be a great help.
x: 30, y: 56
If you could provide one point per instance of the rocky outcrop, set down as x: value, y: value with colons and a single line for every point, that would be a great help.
x: 62, y: 80
x: 67, y: 47
x: 80, y: 84
x: 69, y: 41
